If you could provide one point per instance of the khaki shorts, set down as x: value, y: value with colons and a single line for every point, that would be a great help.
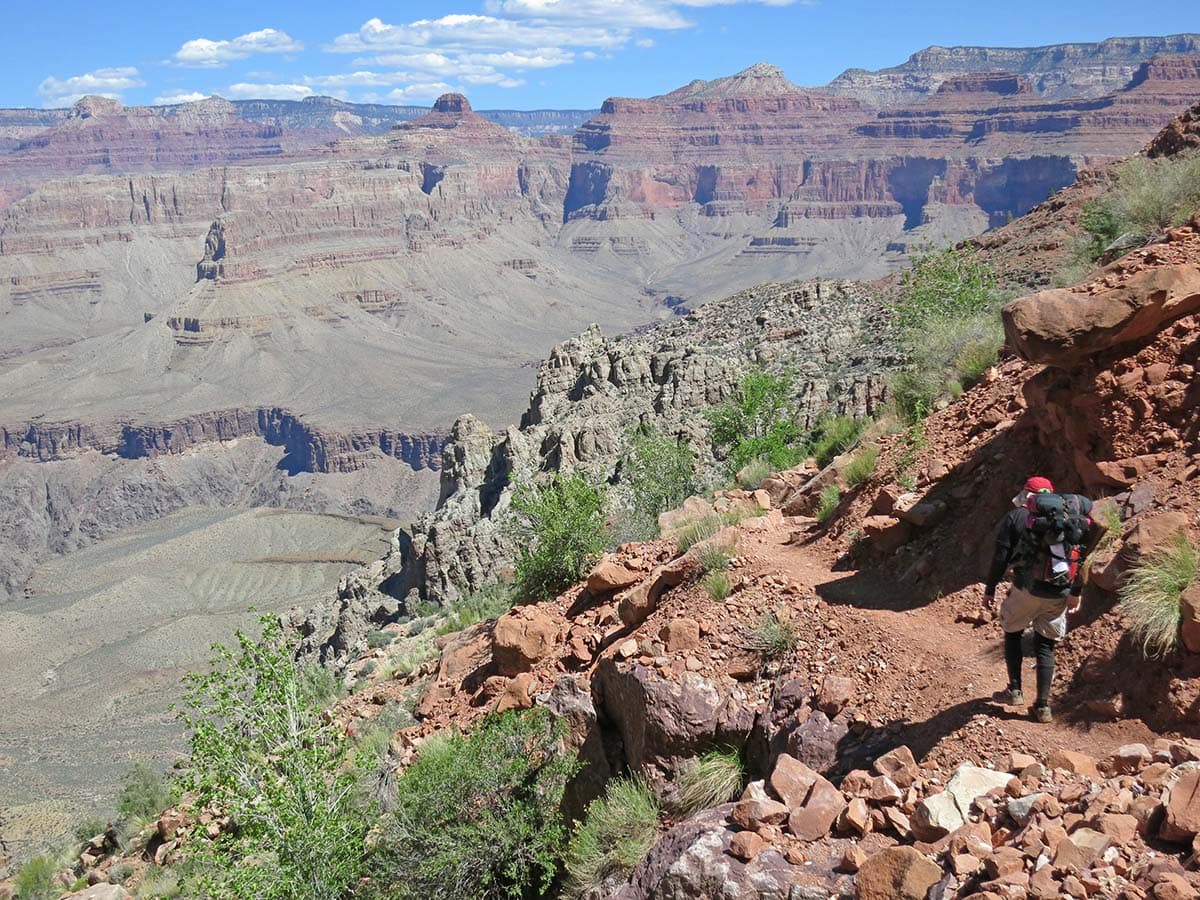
x: 1021, y: 609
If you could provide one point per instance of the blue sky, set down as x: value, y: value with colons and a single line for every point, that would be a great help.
x: 519, y: 54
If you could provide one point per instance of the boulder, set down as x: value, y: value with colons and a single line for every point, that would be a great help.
x: 746, y: 845
x: 791, y: 781
x: 635, y: 604
x: 610, y: 575
x: 1066, y: 327
x: 886, y: 533
x: 694, y: 859
x: 1081, y: 848
x: 664, y: 719
x: 522, y: 637
x: 1189, y: 608
x: 1153, y: 533
x: 101, y: 892
x: 680, y: 634
x: 898, y: 765
x: 1071, y: 761
x: 1129, y: 759
x: 1182, y: 820
x: 815, y: 740
x: 971, y: 782
x: 898, y: 873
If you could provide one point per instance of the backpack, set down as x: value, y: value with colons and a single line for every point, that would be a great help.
x: 1052, y: 546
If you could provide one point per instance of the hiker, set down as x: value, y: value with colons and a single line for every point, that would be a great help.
x: 1044, y: 539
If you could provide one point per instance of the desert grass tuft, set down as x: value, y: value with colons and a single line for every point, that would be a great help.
x: 1150, y: 596
x: 615, y: 835
x: 717, y: 585
x: 773, y: 637
x: 862, y: 466
x: 827, y: 504
x: 713, y: 779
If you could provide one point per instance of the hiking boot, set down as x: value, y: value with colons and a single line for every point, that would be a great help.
x: 1010, y: 697
x: 1042, y: 714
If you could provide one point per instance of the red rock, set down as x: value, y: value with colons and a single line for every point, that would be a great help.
x: 1182, y: 809
x: 1016, y: 763
x: 610, y: 575
x: 1189, y: 608
x: 1174, y: 887
x: 836, y: 693
x: 1129, y: 759
x: 886, y: 534
x: 792, y: 781
x: 522, y: 637
x: 749, y: 814
x: 814, y: 820
x: 1042, y: 885
x: 680, y: 634
x: 853, y: 859
x: 855, y: 818
x: 1005, y: 861
x: 899, y: 766
x: 884, y: 791
x: 517, y: 693
x: 1071, y: 761
x: 1118, y: 826
x: 746, y: 845
x: 1054, y: 327
x: 1080, y: 848
x: 898, y: 873
x: 964, y: 865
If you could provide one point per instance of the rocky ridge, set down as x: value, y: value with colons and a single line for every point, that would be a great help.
x: 1056, y: 72
x: 593, y: 390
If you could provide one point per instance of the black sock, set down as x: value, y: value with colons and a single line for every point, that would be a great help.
x: 1012, y: 658
x: 1044, y: 649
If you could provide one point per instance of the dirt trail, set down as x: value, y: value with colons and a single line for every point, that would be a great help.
x: 936, y: 692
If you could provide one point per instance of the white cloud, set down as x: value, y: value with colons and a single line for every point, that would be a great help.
x: 102, y: 82
x: 203, y: 53
x: 469, y: 32
x: 428, y: 91
x: 657, y: 14
x: 645, y: 43
x: 245, y: 91
x: 179, y: 97
x: 499, y: 79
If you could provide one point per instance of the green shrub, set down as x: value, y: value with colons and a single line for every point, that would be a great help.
x: 159, y: 883
x: 754, y: 473
x: 559, y: 530
x: 1110, y: 519
x: 827, y: 503
x: 478, y: 816
x: 144, y: 793
x: 760, y: 423
x: 948, y: 326
x: 118, y: 873
x: 833, y: 435
x: 1149, y: 196
x: 713, y: 557
x: 718, y: 585
x: 862, y: 466
x: 656, y: 474
x: 88, y: 828
x: 713, y: 779
x: 614, y: 837
x: 489, y: 602
x: 35, y: 880
x: 262, y: 751
x: 379, y: 638
x: 773, y: 638
x: 404, y: 664
x: 697, y: 530
x: 1149, y: 596
x: 319, y: 684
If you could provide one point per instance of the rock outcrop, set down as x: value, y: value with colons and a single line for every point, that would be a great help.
x: 593, y: 390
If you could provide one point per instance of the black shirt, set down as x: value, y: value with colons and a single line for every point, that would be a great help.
x: 1008, y: 536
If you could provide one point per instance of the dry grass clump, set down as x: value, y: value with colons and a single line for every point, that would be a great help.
x: 615, y: 835
x: 1150, y: 596
x: 713, y: 779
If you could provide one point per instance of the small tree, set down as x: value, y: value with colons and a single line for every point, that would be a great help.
x: 263, y: 754
x: 760, y: 422
x: 478, y: 816
x: 948, y: 327
x: 657, y: 474
x: 558, y: 528
x: 144, y: 793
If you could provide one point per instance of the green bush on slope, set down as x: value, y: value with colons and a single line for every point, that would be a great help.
x: 263, y: 752
x: 948, y: 324
x: 558, y: 528
x: 657, y: 473
x: 477, y: 816
x: 1149, y: 196
x: 758, y: 424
